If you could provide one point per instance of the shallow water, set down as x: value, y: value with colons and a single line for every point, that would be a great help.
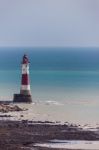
x: 86, y: 145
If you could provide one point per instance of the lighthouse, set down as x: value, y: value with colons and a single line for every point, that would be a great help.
x: 25, y: 92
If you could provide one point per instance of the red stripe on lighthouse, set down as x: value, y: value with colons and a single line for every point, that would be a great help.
x: 25, y: 79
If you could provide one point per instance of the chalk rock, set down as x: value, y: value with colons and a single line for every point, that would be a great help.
x: 9, y: 108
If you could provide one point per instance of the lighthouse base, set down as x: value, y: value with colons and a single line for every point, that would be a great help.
x: 20, y: 98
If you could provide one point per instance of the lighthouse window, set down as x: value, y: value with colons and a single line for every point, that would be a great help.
x: 23, y: 69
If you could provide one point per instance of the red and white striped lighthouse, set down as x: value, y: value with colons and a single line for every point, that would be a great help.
x: 25, y: 93
x: 25, y: 82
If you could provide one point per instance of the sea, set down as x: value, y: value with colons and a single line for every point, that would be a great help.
x: 65, y: 79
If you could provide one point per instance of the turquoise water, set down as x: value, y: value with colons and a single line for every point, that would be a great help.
x: 69, y: 76
x: 63, y: 74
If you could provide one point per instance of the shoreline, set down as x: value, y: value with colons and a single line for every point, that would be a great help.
x: 51, y: 111
x: 42, y: 112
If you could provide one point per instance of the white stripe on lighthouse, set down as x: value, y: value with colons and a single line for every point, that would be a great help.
x: 25, y: 87
x: 25, y: 69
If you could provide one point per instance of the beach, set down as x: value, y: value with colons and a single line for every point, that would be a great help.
x: 55, y: 111
x: 38, y: 135
x: 23, y: 129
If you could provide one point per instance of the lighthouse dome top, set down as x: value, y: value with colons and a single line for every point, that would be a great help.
x: 25, y: 59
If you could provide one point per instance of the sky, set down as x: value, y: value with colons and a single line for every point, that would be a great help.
x: 48, y: 23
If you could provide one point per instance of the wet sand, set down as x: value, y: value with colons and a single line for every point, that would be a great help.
x: 25, y: 134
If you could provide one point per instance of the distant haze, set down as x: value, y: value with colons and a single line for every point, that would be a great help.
x: 49, y: 23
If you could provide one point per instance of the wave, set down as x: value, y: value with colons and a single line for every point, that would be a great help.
x: 49, y: 102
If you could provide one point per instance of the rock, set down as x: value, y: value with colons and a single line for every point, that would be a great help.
x: 21, y: 115
x: 9, y: 108
x: 16, y: 108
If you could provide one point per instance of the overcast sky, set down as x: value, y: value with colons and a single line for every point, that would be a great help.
x: 49, y: 23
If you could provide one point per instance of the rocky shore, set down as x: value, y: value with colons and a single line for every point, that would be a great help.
x: 5, y: 108
x: 23, y: 135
